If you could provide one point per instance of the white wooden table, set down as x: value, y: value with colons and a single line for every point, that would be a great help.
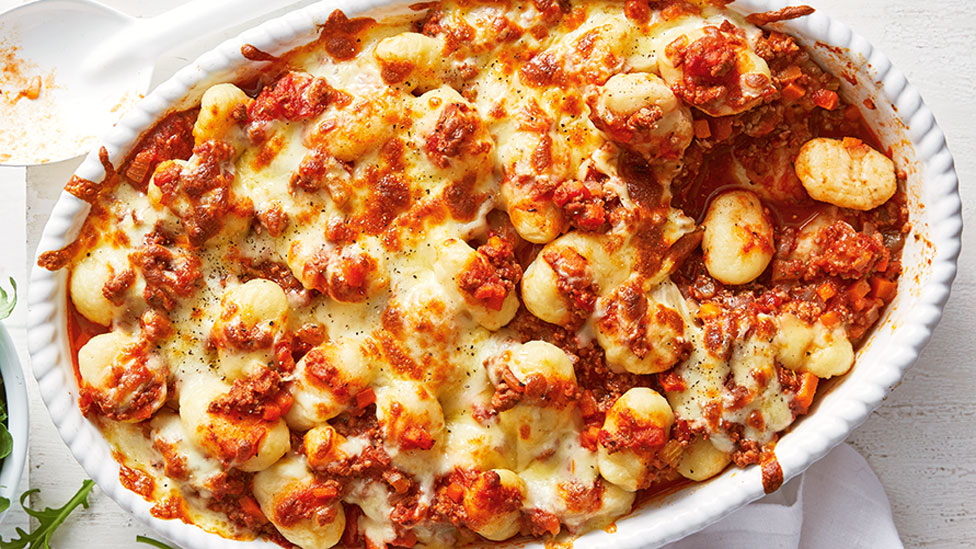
x: 921, y: 442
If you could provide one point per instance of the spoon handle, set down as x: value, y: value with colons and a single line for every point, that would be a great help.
x: 149, y: 38
x: 194, y: 19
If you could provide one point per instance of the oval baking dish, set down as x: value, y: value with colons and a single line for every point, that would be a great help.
x: 892, y: 108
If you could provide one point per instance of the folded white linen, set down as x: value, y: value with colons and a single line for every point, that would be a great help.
x: 838, y: 503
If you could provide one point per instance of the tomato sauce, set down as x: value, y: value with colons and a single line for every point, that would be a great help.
x: 171, y: 508
x: 718, y: 172
x: 171, y: 138
x: 135, y: 479
x: 717, y: 176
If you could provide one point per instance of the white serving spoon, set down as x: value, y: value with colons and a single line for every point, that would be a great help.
x: 93, y: 62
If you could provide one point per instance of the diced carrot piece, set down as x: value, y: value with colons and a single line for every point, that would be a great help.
x: 324, y: 492
x: 589, y: 438
x: 365, y: 397
x: 882, y: 288
x: 455, y: 491
x: 702, y: 131
x: 826, y: 291
x: 806, y: 392
x: 856, y: 295
x: 792, y: 92
x: 709, y: 310
x: 826, y: 99
x: 830, y: 318
x: 589, y: 408
x: 790, y: 74
x: 671, y: 382
x: 250, y: 507
x: 859, y: 290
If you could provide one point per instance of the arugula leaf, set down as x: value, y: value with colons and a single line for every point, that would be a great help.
x: 7, y: 304
x: 48, y: 520
x: 6, y: 443
x: 154, y: 542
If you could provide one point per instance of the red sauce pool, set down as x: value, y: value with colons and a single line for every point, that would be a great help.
x: 717, y: 174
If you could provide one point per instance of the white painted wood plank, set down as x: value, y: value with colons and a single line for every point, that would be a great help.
x: 922, y: 441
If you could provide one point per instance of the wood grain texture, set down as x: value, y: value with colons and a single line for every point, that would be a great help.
x: 921, y: 442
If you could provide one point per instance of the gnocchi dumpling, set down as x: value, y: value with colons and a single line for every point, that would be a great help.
x: 246, y: 442
x: 154, y: 192
x: 415, y: 60
x: 350, y: 274
x: 420, y: 324
x: 475, y: 445
x: 701, y: 460
x: 537, y: 221
x: 536, y: 162
x: 535, y: 385
x: 634, y: 435
x: 121, y: 377
x: 536, y: 366
x: 487, y: 287
x: 615, y: 502
x: 846, y: 172
x: 493, y: 502
x: 354, y: 130
x: 222, y: 107
x: 562, y: 283
x: 638, y: 334
x: 322, y: 446
x: 306, y: 511
x: 816, y: 349
x: 252, y: 316
x: 738, y: 240
x: 536, y: 430
x: 327, y: 380
x: 639, y: 111
x: 175, y: 188
x: 557, y: 487
x: 455, y: 140
x: 591, y: 53
x: 716, y: 70
x: 103, y: 283
x: 410, y: 416
x: 182, y: 460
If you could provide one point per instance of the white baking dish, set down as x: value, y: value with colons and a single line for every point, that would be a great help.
x: 900, y: 118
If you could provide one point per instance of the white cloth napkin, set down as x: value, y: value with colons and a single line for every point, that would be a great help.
x: 838, y: 502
